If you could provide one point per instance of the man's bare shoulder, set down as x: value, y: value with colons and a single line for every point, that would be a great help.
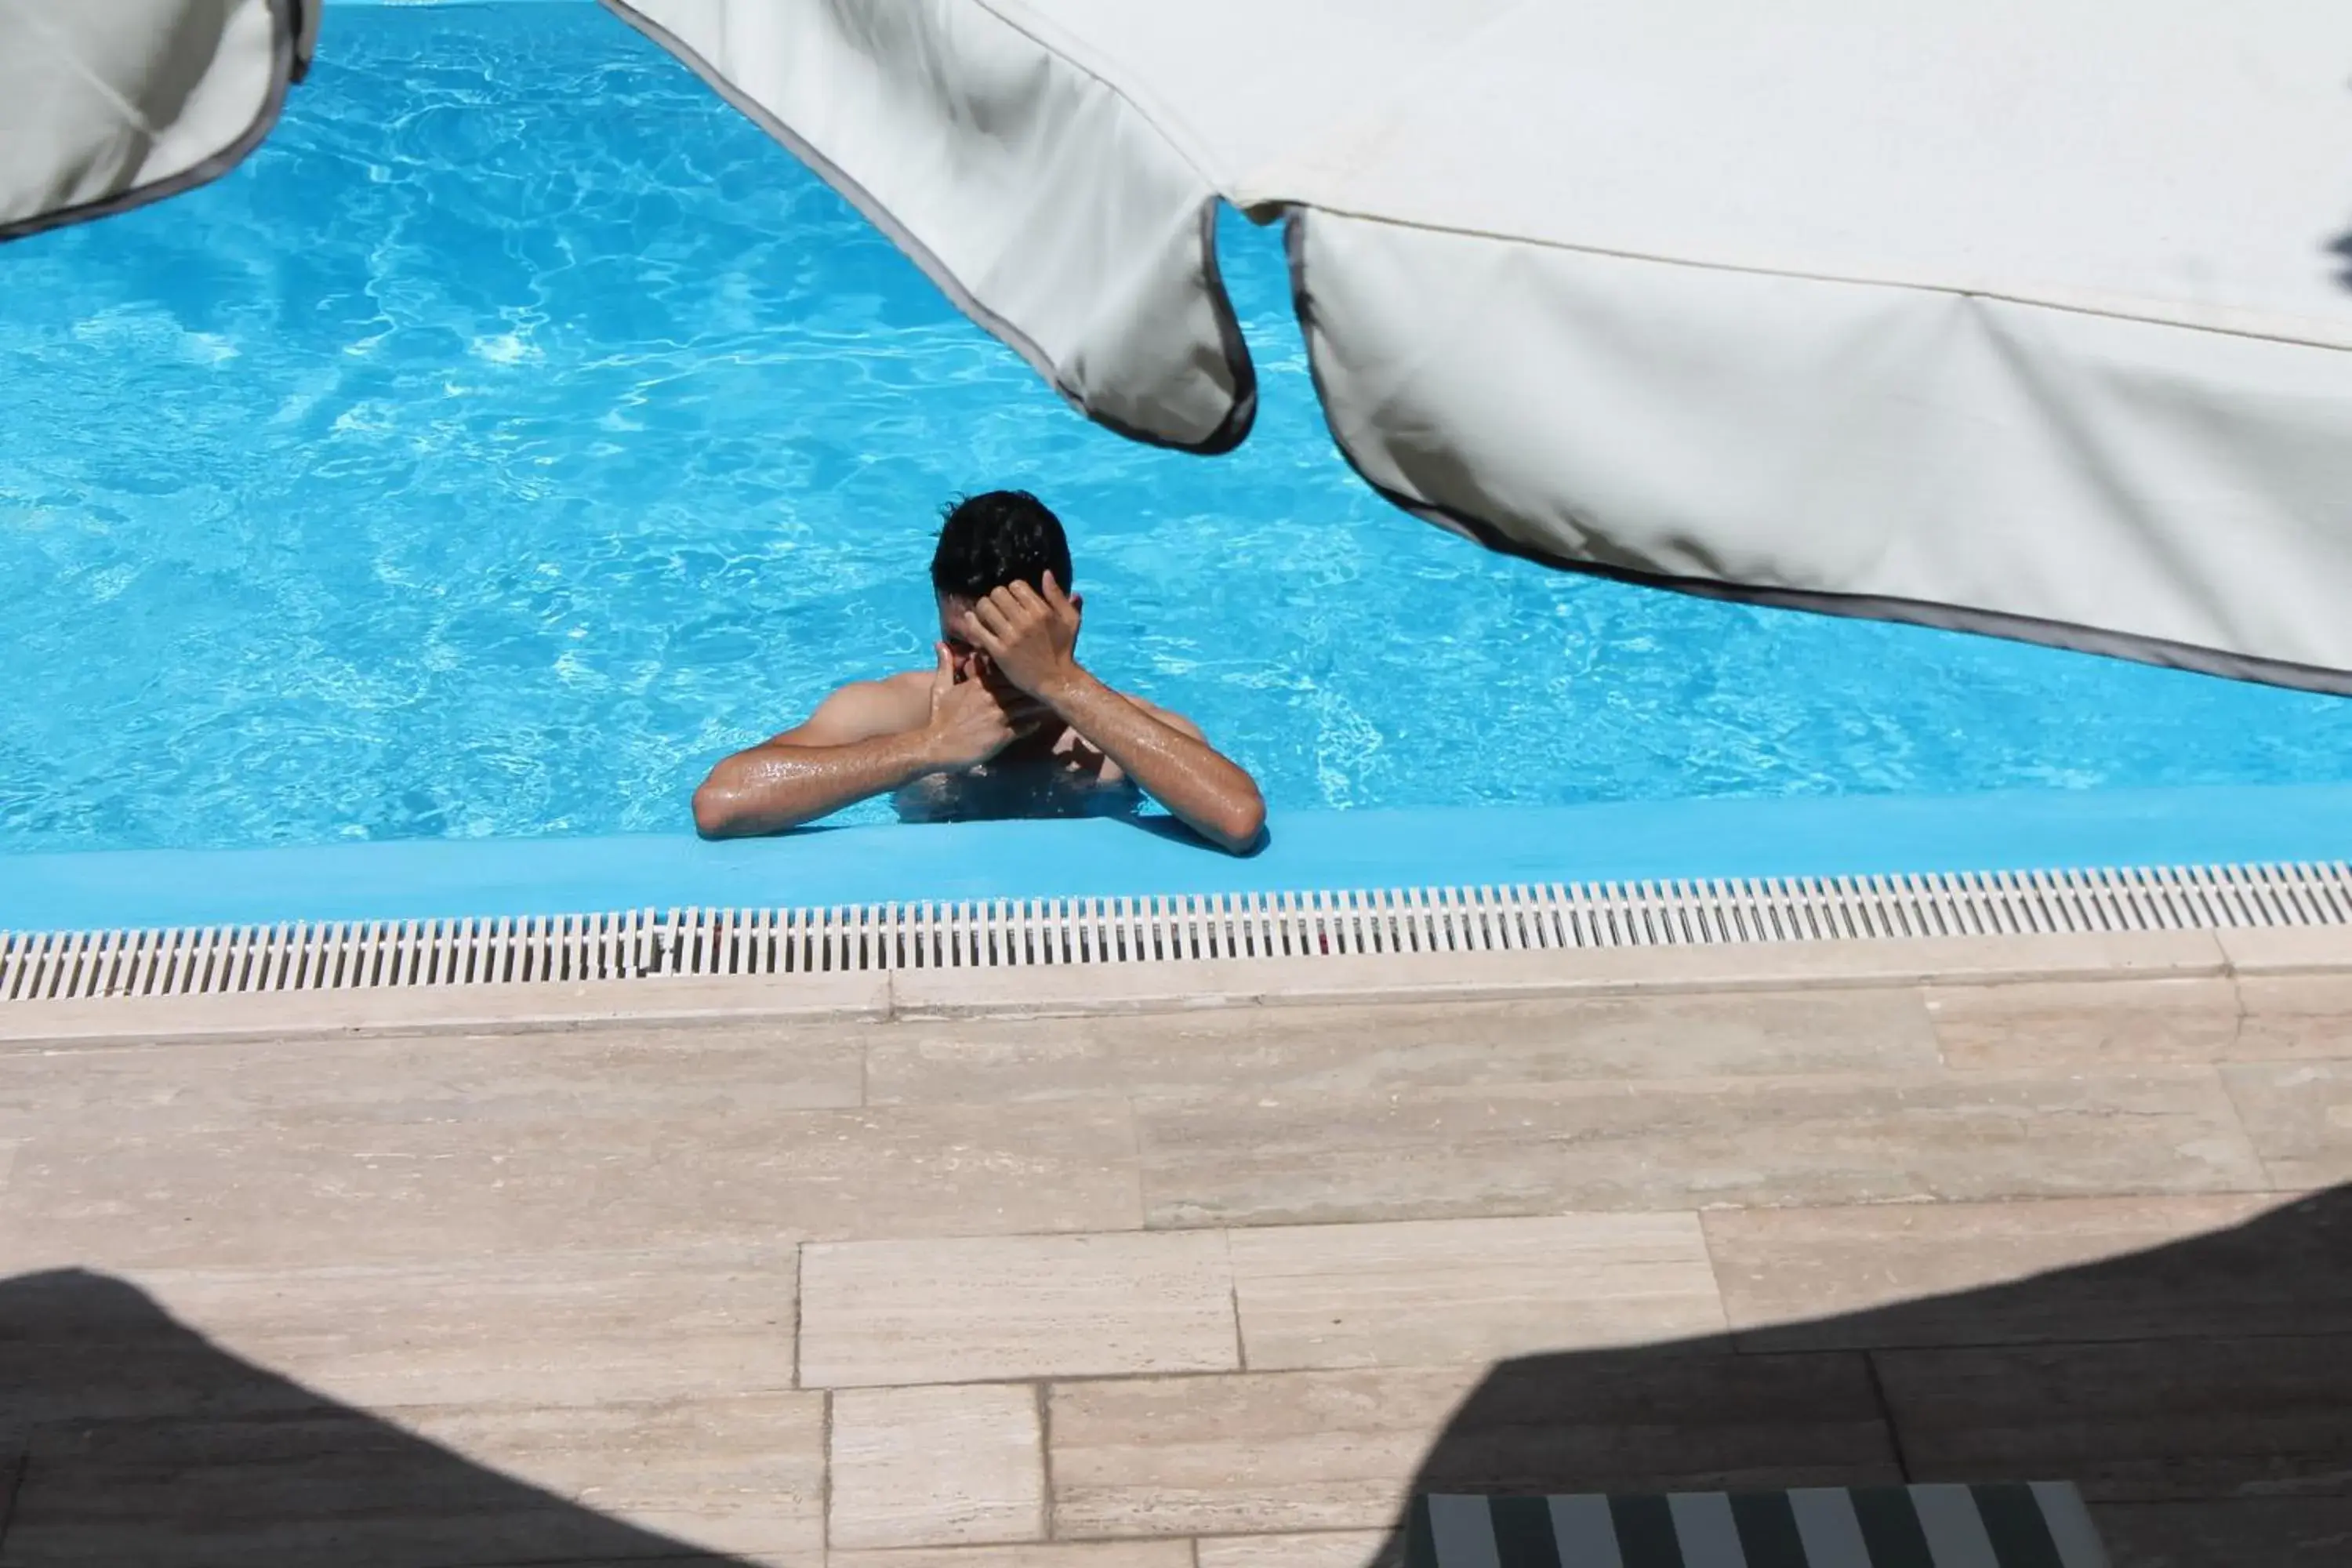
x: 906, y: 686
x: 863, y: 710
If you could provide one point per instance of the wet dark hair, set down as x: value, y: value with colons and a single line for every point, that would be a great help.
x: 995, y: 538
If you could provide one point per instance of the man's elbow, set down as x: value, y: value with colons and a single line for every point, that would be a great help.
x: 1240, y: 826
x: 718, y: 813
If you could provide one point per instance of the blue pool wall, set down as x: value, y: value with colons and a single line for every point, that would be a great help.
x: 1504, y: 845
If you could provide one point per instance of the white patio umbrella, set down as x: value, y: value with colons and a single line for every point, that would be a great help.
x: 108, y: 104
x: 2024, y: 316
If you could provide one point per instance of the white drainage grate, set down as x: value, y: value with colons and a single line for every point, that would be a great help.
x: 641, y: 943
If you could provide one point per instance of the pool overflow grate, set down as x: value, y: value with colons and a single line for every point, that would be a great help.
x: 647, y: 943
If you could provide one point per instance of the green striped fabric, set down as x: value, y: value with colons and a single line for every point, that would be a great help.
x: 2040, y: 1525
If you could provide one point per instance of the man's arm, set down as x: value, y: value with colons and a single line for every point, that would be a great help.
x: 1170, y: 758
x: 863, y: 740
x: 1033, y: 637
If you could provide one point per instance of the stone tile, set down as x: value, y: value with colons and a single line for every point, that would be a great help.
x: 1244, y: 1453
x: 2048, y: 1269
x: 2296, y: 1016
x: 1063, y: 1555
x: 1259, y: 1453
x: 727, y: 1472
x: 2238, y: 1532
x: 2093, y: 1023
x: 1436, y: 1293
x: 936, y: 1467
x: 2300, y: 1117
x: 341, y: 1191
x: 341, y: 1015
x: 1673, y: 1144
x: 2287, y: 950
x: 1333, y: 1549
x: 2138, y: 1421
x: 741, y: 1476
x: 488, y: 1083
x: 1014, y: 1307
x: 1399, y: 1047
x: 1474, y: 976
x: 1978, y: 960
x: 567, y: 1329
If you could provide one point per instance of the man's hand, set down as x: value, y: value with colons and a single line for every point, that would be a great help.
x: 1029, y: 636
x: 969, y: 722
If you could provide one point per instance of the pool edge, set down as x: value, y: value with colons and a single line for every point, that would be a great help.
x: 1093, y: 990
x: 897, y: 992
x: 1617, y: 842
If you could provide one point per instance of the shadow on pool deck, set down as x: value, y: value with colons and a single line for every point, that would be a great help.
x: 139, y: 1444
x: 2201, y: 1393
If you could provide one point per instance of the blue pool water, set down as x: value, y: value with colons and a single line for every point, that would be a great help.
x: 520, y: 430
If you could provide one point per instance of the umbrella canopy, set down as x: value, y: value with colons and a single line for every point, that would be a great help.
x: 107, y: 104
x: 2023, y: 316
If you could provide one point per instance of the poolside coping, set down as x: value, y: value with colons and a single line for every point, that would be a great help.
x: 1219, y: 982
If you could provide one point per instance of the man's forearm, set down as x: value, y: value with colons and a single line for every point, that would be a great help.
x: 1209, y: 793
x: 771, y: 788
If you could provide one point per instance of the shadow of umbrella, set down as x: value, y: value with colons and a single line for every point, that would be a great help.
x: 2199, y: 1395
x: 131, y: 1440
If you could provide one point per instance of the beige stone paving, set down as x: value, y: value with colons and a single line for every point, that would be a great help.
x: 1041, y: 1554
x: 1016, y: 1307
x: 266, y: 1192
x: 1456, y: 1292
x: 1332, y: 1549
x: 1544, y: 1147
x: 735, y: 1475
x: 1325, y: 1051
x: 1251, y: 1452
x: 2299, y: 1115
x: 484, y: 1081
x: 1196, y: 1289
x: 554, y: 1328
x: 1811, y: 1275
x: 2119, y: 1022
x: 2294, y: 1017
x: 936, y: 1466
x: 2210, y: 1417
x: 2274, y: 1533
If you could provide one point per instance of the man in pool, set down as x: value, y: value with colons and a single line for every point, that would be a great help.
x: 1006, y: 724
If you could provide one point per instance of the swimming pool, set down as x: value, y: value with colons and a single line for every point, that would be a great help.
x: 519, y: 429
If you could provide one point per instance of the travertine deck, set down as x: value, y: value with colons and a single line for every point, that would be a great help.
x: 1158, y: 1290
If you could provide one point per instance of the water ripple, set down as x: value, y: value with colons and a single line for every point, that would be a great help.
x: 521, y: 429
